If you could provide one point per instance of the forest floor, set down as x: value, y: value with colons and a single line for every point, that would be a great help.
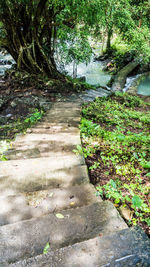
x: 116, y: 145
x: 115, y: 138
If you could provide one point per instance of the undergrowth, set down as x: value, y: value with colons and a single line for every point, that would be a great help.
x: 116, y: 145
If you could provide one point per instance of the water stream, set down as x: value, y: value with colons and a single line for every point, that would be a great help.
x: 6, y: 62
x: 144, y: 87
x: 93, y: 73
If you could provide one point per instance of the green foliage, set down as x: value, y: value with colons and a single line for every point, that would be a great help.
x: 146, y: 165
x: 74, y: 47
x: 63, y: 27
x: 136, y: 202
x: 117, y: 128
x: 36, y: 116
x: 88, y: 151
x: 95, y: 166
x: 4, y: 146
x: 44, y: 28
x: 10, y: 130
x: 115, y: 191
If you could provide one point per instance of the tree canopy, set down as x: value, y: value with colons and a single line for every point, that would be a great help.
x: 29, y: 29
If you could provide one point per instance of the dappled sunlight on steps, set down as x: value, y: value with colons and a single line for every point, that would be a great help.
x: 44, y: 177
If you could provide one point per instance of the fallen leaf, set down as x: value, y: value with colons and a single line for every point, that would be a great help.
x: 51, y: 194
x: 59, y: 216
x: 126, y: 213
x: 47, y: 246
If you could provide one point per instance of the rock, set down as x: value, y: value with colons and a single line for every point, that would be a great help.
x: 8, y: 115
x: 101, y: 58
x: 13, y: 104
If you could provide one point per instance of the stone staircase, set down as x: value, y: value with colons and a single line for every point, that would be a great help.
x: 46, y: 197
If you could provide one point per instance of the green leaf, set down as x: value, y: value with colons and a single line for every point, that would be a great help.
x: 59, y: 216
x: 146, y: 165
x: 113, y: 184
x: 127, y: 198
x: 47, y: 246
x: 148, y: 174
x: 137, y: 201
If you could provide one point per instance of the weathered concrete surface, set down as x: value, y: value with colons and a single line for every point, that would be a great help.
x: 64, y: 112
x: 26, y: 238
x: 126, y: 248
x: 35, y: 204
x: 53, y: 128
x: 40, y: 150
x: 60, y: 119
x: 39, y: 174
x: 52, y: 140
x: 52, y: 136
x: 44, y: 145
x: 62, y: 137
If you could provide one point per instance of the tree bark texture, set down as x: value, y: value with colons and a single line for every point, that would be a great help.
x: 25, y: 31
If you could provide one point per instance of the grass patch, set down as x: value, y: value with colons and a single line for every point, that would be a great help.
x: 116, y: 145
x: 11, y: 129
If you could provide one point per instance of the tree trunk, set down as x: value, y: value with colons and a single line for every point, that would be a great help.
x: 120, y: 79
x: 26, y: 36
x: 74, y: 69
x: 30, y: 56
x: 108, y: 45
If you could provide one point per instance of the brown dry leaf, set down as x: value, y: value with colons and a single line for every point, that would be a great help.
x: 126, y: 213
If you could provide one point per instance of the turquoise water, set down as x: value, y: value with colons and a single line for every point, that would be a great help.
x: 93, y: 72
x: 5, y: 66
x: 144, y: 87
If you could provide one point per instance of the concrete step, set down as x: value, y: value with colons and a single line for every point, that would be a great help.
x: 126, y: 248
x: 43, y: 149
x: 36, y: 145
x: 66, y: 105
x: 28, y: 175
x: 63, y: 138
x: 35, y: 204
x: 47, y: 124
x: 28, y: 238
x: 73, y: 121
x: 64, y: 112
x: 53, y: 129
